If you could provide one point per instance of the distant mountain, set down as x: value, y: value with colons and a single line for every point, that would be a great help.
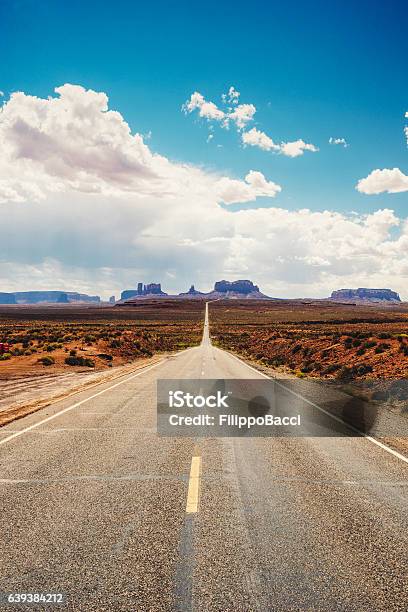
x: 54, y: 297
x: 151, y: 289
x: 192, y: 292
x: 365, y: 295
x: 7, y: 298
x: 240, y: 289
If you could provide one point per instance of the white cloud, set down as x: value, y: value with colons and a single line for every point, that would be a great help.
x: 231, y: 191
x: 256, y: 138
x: 232, y: 97
x: 296, y: 148
x: 73, y: 142
x: 242, y: 114
x: 88, y: 206
x: 338, y: 141
x: 208, y: 110
x: 239, y: 114
x: 383, y: 181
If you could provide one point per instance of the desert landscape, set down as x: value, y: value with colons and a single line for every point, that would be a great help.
x: 49, y: 350
x: 321, y: 339
x: 360, y: 348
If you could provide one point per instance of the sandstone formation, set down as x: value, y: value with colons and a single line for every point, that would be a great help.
x: 365, y: 295
x: 7, y: 298
x: 143, y: 291
x: 53, y: 297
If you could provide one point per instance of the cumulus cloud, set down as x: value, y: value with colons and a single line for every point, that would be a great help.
x: 231, y: 191
x: 208, y: 110
x: 256, y: 138
x: 74, y: 142
x: 297, y: 147
x: 88, y: 206
x: 383, y: 181
x: 240, y: 115
x: 231, y: 97
x: 338, y: 141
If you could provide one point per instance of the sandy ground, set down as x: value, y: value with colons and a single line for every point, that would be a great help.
x: 22, y: 395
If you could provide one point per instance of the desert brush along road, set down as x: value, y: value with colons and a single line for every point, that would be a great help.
x: 96, y: 506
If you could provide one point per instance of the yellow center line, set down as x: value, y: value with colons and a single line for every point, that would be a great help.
x: 193, y: 485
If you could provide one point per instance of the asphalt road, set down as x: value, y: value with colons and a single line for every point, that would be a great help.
x: 93, y: 505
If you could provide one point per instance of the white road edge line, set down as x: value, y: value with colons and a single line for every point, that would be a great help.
x: 68, y: 408
x: 369, y: 438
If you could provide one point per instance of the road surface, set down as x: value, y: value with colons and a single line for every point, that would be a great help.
x: 94, y: 505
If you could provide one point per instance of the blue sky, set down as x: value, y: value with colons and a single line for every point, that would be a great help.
x: 313, y: 70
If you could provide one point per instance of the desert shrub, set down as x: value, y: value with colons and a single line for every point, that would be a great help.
x: 51, y: 347
x: 146, y: 352
x: 47, y: 361
x: 348, y: 342
x: 72, y: 352
x: 5, y: 356
x: 360, y: 351
x: 362, y: 368
x: 383, y: 346
x: 105, y: 356
x: 356, y: 342
x: 384, y: 335
x: 80, y: 361
x: 369, y: 344
x: 115, y: 344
